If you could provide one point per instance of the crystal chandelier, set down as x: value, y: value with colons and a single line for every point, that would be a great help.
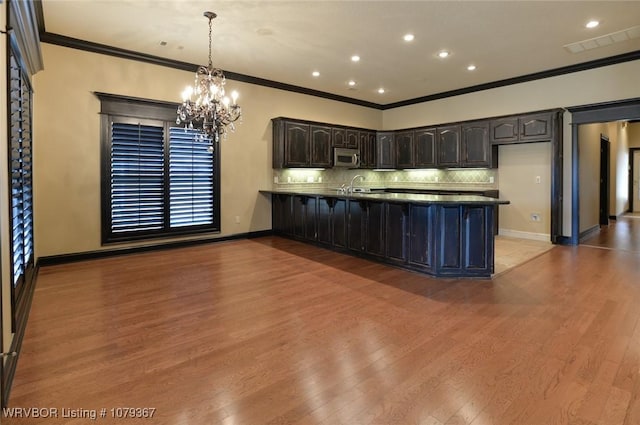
x: 212, y: 111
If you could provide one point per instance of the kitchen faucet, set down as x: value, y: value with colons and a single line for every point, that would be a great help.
x: 353, y: 180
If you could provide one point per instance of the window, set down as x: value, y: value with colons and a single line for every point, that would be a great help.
x: 158, y: 179
x: 21, y: 180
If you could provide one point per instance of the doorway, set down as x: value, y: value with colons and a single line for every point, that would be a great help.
x: 605, y: 152
x: 634, y: 180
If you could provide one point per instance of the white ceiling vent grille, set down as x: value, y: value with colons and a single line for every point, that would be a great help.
x: 604, y: 40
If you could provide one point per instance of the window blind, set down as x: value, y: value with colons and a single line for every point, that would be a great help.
x: 190, y: 178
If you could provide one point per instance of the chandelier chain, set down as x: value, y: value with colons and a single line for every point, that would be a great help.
x: 210, y: 32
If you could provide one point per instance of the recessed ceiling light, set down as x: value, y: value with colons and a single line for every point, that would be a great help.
x: 443, y: 54
x: 471, y: 67
x: 408, y: 37
x: 592, y: 24
x: 163, y: 43
x: 355, y: 58
x: 381, y: 90
x: 315, y: 73
x: 351, y: 83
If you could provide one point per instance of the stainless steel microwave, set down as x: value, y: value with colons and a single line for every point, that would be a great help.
x: 349, y: 158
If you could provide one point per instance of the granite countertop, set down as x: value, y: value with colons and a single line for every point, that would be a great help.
x: 415, y: 198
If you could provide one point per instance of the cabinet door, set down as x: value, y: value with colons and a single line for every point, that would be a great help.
x: 504, y: 130
x: 367, y: 149
x: 320, y: 146
x: 339, y: 137
x: 310, y: 218
x: 385, y: 155
x: 374, y: 225
x: 424, y: 141
x: 448, y: 146
x: 449, y: 224
x: 296, y: 144
x: 352, y: 139
x: 339, y: 223
x: 476, y: 150
x: 535, y: 126
x: 282, y: 213
x: 421, y: 235
x: 299, y: 214
x: 404, y: 149
x: 324, y: 220
x: 355, y: 216
x: 395, y: 234
x: 477, y: 255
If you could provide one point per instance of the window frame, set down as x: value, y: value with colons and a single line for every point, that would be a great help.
x: 126, y: 108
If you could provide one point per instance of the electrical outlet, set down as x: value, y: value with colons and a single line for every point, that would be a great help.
x: 275, y: 179
x: 491, y: 179
x: 320, y: 179
x: 435, y: 179
x: 536, y: 217
x: 237, y: 219
x: 309, y: 179
x: 538, y: 179
x: 288, y: 179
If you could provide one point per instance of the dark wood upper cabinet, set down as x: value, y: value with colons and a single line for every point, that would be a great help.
x: 404, y: 149
x: 386, y: 151
x: 476, y: 150
x: 296, y: 144
x: 339, y: 137
x: 424, y: 142
x: 367, y: 149
x: 536, y: 126
x: 320, y: 146
x: 352, y: 139
x: 523, y: 128
x: 448, y: 146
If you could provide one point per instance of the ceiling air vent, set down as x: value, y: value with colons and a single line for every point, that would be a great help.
x: 604, y: 40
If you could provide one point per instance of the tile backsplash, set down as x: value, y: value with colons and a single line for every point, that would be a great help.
x: 432, y: 178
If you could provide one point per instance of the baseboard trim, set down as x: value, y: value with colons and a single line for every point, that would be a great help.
x: 92, y: 255
x: 589, y: 232
x: 545, y: 237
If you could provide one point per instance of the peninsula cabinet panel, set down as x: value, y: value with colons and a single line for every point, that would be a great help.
x: 424, y: 141
x: 448, y: 146
x: 282, y: 206
x: 421, y: 236
x: 449, y: 224
x: 339, y: 223
x: 320, y: 146
x: 324, y: 226
x: 386, y: 151
x: 476, y: 254
x: 404, y: 149
x: 355, y: 218
x: 311, y: 218
x: 299, y: 216
x: 374, y: 228
x: 352, y: 139
x: 476, y: 149
x: 396, y: 232
x: 339, y: 137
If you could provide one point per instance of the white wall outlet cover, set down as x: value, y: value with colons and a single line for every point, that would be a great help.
x: 491, y: 180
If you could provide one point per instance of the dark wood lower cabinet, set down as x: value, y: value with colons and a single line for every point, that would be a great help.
x: 396, y: 232
x: 439, y: 239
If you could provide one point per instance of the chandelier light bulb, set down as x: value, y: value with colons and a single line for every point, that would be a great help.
x: 234, y: 96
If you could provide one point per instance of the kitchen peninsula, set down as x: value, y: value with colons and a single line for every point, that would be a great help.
x: 440, y: 235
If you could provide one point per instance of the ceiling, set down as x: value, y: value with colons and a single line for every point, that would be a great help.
x: 285, y: 41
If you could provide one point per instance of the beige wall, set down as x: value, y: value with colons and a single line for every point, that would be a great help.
x: 519, y: 167
x: 619, y: 190
x: 67, y: 143
x: 633, y: 134
x: 589, y: 172
x: 608, y: 83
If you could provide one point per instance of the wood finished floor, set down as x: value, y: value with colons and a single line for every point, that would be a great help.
x: 271, y: 331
